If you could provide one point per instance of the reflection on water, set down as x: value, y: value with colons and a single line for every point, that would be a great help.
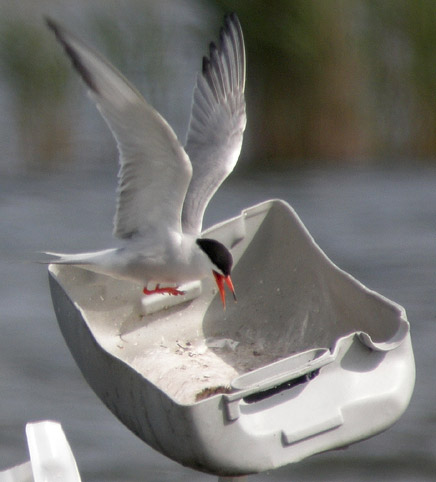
x: 378, y: 225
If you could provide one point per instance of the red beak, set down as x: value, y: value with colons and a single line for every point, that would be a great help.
x: 220, y: 280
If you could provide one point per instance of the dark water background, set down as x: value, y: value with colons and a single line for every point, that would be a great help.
x: 379, y: 225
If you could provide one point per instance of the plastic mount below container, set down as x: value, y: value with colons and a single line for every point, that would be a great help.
x: 308, y: 359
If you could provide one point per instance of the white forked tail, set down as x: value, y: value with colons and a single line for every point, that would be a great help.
x: 79, y: 258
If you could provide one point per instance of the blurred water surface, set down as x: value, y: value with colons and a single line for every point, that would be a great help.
x: 377, y: 224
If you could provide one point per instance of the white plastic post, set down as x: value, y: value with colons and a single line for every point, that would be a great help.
x: 50, y: 453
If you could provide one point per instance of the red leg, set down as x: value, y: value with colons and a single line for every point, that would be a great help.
x: 170, y: 291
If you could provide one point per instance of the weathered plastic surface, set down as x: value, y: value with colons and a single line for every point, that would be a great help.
x: 308, y: 359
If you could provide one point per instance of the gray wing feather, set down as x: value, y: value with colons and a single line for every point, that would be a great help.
x: 217, y: 122
x: 154, y: 168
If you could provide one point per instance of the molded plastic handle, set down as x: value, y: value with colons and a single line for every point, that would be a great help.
x: 274, y: 375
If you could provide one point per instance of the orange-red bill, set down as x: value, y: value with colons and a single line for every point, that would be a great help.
x: 220, y: 280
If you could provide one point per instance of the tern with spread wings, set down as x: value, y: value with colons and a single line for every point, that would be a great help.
x: 164, y: 188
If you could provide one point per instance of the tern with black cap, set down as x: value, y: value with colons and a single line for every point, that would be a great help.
x: 164, y: 188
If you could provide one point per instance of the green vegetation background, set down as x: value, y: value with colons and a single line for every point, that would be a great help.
x: 329, y: 81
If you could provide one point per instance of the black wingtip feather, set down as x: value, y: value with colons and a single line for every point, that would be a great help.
x: 212, y: 49
x: 231, y: 18
x: 206, y: 66
x: 231, y: 23
x: 72, y: 54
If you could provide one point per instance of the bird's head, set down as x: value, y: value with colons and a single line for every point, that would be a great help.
x: 222, y: 262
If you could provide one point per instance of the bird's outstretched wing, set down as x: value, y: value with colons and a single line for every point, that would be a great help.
x: 217, y: 121
x: 154, y: 168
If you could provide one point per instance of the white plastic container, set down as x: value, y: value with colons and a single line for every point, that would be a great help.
x: 307, y: 360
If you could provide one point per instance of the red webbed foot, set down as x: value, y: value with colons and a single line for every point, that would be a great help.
x: 162, y: 291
